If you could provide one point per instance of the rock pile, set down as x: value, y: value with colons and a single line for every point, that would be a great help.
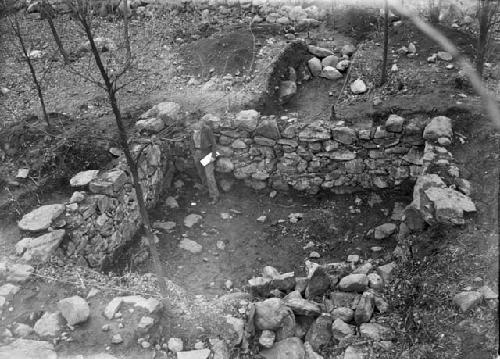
x: 336, y: 304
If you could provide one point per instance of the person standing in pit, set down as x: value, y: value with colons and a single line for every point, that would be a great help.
x: 203, y: 142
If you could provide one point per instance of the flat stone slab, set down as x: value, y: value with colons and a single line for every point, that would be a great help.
x: 41, y: 218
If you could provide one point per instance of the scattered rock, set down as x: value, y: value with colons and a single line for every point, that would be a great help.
x: 330, y: 60
x: 385, y: 271
x: 247, y: 120
x: 22, y: 330
x: 343, y: 313
x: 353, y: 352
x: 341, y: 330
x: 364, y: 309
x: 175, y: 345
x: 290, y: 348
x: 28, y: 349
x: 190, y: 245
x: 270, y: 314
x: 318, y: 284
x: 348, y: 49
x: 467, y: 300
x: 449, y: 205
x: 320, y: 333
x: 394, y: 123
x: 342, y: 65
x: 194, y: 354
x: 301, y: 306
x: 319, y: 51
x: 488, y: 293
x: 354, y: 283
x: 412, y: 48
x: 315, y: 67
x: 375, y: 331
x: 41, y: 218
x: 439, y: 126
x: 165, y: 226
x: 330, y: 73
x: 192, y: 219
x: 358, y: 87
x: 375, y: 281
x: 49, y: 325
x: 445, y: 56
x: 9, y: 290
x: 171, y: 202
x: 267, y: 338
x: 41, y: 248
x: 288, y: 89
x: 74, y: 309
x: 116, y: 339
x: 384, y: 231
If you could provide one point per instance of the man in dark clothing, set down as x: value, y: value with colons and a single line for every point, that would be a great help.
x: 203, y: 142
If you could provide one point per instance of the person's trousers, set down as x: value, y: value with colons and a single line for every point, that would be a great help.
x: 206, y: 173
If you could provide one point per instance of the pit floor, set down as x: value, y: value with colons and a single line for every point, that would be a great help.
x: 336, y: 224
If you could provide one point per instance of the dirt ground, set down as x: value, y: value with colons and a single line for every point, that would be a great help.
x: 445, y: 260
x: 336, y: 226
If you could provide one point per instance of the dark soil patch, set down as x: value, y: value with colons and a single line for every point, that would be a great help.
x: 224, y: 53
x: 333, y: 223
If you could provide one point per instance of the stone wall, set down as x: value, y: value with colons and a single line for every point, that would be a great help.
x: 102, y: 216
x: 264, y: 152
x: 283, y: 153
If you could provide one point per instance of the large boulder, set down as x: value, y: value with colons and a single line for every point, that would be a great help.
x: 41, y: 248
x: 74, y: 309
x: 41, y: 218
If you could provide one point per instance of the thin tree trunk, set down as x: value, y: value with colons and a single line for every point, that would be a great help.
x: 130, y: 161
x: 383, y: 77
x: 125, y: 30
x: 57, y: 39
x: 483, y: 35
x: 19, y: 35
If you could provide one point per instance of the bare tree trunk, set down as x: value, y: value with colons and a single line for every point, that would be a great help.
x: 110, y: 88
x: 125, y: 29
x: 48, y: 15
x: 17, y: 30
x: 483, y: 35
x: 383, y: 77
